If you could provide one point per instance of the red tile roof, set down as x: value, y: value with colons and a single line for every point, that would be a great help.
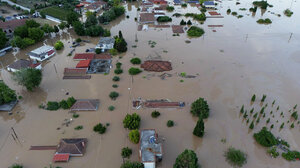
x: 161, y: 104
x: 75, y: 71
x: 214, y: 13
x: 102, y: 56
x: 147, y: 17
x: 61, y: 157
x: 157, y: 66
x: 83, y: 64
x: 12, y: 24
x: 177, y: 29
x: 84, y: 56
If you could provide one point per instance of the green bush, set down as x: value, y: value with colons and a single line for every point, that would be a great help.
x: 134, y: 136
x: 235, y: 157
x: 182, y: 22
x: 52, y: 106
x: 262, y: 4
x: 126, y: 152
x: 264, y: 21
x: 6, y: 94
x: 78, y: 40
x: 28, y: 77
x: 170, y: 8
x: 98, y: 51
x: 134, y: 71
x: 111, y: 108
x: 16, y: 166
x: 199, y: 17
x: 251, y: 125
x: 228, y: 11
x: 273, y: 152
x: 199, y: 128
x: 288, y: 12
x: 101, y: 129
x: 113, y: 51
x: 116, y: 78
x: 75, y: 115
x: 71, y: 101
x: 79, y: 127
x: 164, y: 19
x: 195, y: 31
x: 155, y: 114
x: 291, y: 155
x: 115, y: 86
x: 132, y: 122
x: 187, y: 159
x: 295, y: 115
x: 265, y: 138
x: 200, y: 108
x: 113, y: 95
x: 130, y: 164
x: 234, y: 13
x: 136, y: 60
x: 118, y: 71
x: 64, y: 104
x: 170, y: 123
x: 189, y: 22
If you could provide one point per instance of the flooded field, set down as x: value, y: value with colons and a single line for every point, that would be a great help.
x: 240, y: 59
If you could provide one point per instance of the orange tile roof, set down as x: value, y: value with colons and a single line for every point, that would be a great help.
x: 83, y: 56
x: 157, y: 66
x: 61, y: 157
x: 83, y: 64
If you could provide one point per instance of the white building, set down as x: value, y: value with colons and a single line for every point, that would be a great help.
x: 105, y: 43
x: 42, y: 53
x: 23, y: 64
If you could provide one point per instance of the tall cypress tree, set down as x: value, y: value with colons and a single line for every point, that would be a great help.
x: 199, y: 128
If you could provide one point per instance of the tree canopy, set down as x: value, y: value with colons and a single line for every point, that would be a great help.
x: 200, y: 108
x: 6, y: 94
x: 30, y: 78
x: 3, y: 39
x: 187, y: 159
x: 129, y: 164
x: 265, y: 138
x: 132, y: 121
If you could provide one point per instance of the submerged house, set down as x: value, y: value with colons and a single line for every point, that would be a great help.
x: 156, y: 66
x: 85, y: 105
x: 8, y: 27
x: 23, y: 64
x: 42, y: 53
x: 147, y: 18
x: 105, y: 43
x: 150, y: 150
x: 209, y: 4
x: 69, y: 147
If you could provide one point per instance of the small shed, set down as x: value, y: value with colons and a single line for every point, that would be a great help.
x: 61, y: 157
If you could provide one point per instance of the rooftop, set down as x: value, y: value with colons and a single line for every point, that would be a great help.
x: 83, y: 56
x: 156, y: 66
x: 177, y: 29
x: 12, y: 24
x: 23, y: 64
x: 85, y: 105
x: 61, y: 157
x: 148, y: 145
x: 106, y: 40
x: 102, y: 56
x: 75, y: 71
x: 73, y: 146
x: 209, y: 3
x: 147, y: 17
x: 83, y: 64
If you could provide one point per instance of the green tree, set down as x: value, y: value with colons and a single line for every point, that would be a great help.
x: 47, y: 28
x: 43, y: 14
x: 129, y: 164
x: 72, y: 17
x: 134, y: 71
x: 200, y: 108
x: 235, y: 157
x: 182, y: 22
x: 195, y: 31
x: 30, y: 78
x: 56, y: 30
x: 94, y: 31
x: 59, y: 45
x: 135, y: 60
x: 3, y: 39
x: 35, y: 34
x: 199, y: 128
x: 126, y: 152
x: 21, y: 43
x: 91, y: 20
x: 16, y: 166
x: 187, y: 159
x: 101, y: 129
x: 6, y: 94
x: 71, y: 101
x: 62, y: 25
x: 89, y: 13
x: 132, y: 121
x: 134, y: 136
x: 265, y: 138
x: 21, y: 31
x: 32, y: 23
x: 79, y: 28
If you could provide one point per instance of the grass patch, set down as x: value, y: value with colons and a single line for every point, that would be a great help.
x: 56, y: 12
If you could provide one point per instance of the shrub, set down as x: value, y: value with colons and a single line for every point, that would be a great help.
x: 134, y: 136
x: 126, y: 152
x: 135, y: 61
x: 111, y: 108
x: 113, y: 51
x: 116, y: 78
x: 75, y: 115
x: 228, y: 11
x: 189, y: 22
x: 263, y: 98
x: 170, y: 123
x: 98, y: 51
x: 101, y: 129
x: 52, y: 106
x: 164, y: 19
x: 113, y: 95
x: 273, y: 152
x: 182, y: 22
x: 262, y: 4
x: 295, y: 115
x: 199, y: 17
x: 188, y: 158
x: 106, y: 33
x: 195, y: 31
x: 78, y: 40
x: 288, y: 12
x: 118, y: 64
x: 155, y: 114
x: 132, y: 122
x: 63, y: 104
x: 200, y: 108
x: 30, y: 78
x: 115, y: 86
x: 177, y: 14
x: 71, y: 101
x: 242, y: 109
x: 79, y: 127
x: 265, y: 138
x: 170, y: 8
x: 264, y: 21
x: 134, y: 71
x: 291, y: 155
x: 199, y: 128
x: 234, y: 13
x: 118, y: 71
x: 130, y: 164
x: 184, y: 5
x: 251, y: 125
x: 16, y: 166
x: 253, y: 98
x: 235, y: 157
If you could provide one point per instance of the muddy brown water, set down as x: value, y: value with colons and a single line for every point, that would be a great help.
x: 231, y: 64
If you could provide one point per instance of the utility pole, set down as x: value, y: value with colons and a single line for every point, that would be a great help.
x: 55, y: 68
x: 14, y: 133
x: 290, y: 37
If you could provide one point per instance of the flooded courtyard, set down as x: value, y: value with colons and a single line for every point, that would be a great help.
x: 231, y: 64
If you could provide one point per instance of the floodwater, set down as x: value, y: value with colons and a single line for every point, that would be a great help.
x: 231, y: 64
